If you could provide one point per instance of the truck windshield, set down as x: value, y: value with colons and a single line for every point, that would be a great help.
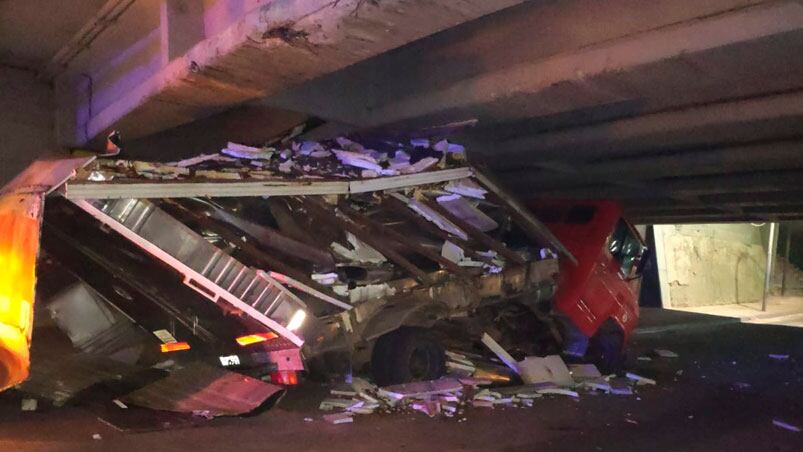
x: 625, y: 247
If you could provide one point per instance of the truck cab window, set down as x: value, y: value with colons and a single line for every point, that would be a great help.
x: 625, y: 247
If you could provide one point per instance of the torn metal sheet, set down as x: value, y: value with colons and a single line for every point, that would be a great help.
x: 432, y: 216
x: 548, y: 369
x: 422, y: 388
x: 466, y: 187
x: 200, y: 387
x: 60, y: 377
x: 500, y: 352
x: 461, y: 208
x: 45, y: 175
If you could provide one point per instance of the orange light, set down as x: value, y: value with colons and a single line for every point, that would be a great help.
x: 174, y: 347
x: 19, y: 246
x: 284, y: 377
x: 255, y: 338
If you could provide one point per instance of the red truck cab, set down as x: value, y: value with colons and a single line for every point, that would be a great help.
x: 599, y: 294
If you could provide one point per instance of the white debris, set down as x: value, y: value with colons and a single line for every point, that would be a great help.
x: 248, y: 152
x: 639, y: 379
x: 778, y: 357
x: 308, y: 147
x: 548, y: 369
x: 338, y: 418
x: 335, y: 404
x: 29, y: 404
x: 326, y: 279
x: 287, y: 166
x: 559, y: 391
x: 584, y: 371
x: 466, y: 187
x: 599, y: 384
x: 360, y: 252
x: 320, y: 154
x: 500, y: 352
x: 200, y: 159
x: 358, y: 160
x: 785, y: 426
x: 220, y: 175
x: 423, y: 388
x: 98, y: 176
x: 120, y: 404
x: 399, y: 161
x: 466, y: 211
x: 96, y: 436
x: 452, y: 252
x: 665, y: 353
x: 620, y: 389
x: 370, y: 291
x: 480, y: 403
x: 421, y: 165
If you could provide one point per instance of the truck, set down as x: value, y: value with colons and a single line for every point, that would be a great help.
x: 332, y: 257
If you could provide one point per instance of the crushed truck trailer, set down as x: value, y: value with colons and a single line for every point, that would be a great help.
x: 330, y: 256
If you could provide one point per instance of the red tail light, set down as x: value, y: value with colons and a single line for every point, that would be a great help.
x: 255, y: 338
x: 174, y: 347
x: 284, y: 377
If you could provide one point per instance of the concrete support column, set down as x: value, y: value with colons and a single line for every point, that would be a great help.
x: 772, y: 244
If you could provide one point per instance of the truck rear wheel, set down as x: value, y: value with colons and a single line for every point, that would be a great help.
x: 407, y: 354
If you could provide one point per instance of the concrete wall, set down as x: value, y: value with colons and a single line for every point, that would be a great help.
x: 708, y: 264
x: 26, y: 121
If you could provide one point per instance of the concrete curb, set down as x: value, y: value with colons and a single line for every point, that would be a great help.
x: 685, y: 326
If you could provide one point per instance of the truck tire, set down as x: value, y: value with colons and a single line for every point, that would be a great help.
x: 606, y: 349
x: 407, y: 354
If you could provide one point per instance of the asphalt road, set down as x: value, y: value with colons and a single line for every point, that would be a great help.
x: 725, y: 398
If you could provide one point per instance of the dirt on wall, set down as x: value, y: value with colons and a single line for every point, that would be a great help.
x: 713, y: 264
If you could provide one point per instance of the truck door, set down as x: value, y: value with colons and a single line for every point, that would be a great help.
x: 617, y: 277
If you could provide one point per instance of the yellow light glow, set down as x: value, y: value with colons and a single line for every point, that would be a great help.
x: 174, y: 347
x: 297, y: 320
x: 255, y: 338
x: 19, y: 246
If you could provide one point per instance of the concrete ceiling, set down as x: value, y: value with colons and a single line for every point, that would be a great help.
x: 32, y: 31
x: 685, y: 111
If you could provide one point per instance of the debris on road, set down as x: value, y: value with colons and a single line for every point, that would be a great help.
x: 778, y: 357
x: 663, y: 353
x: 423, y: 388
x: 500, y: 352
x: 639, y: 379
x: 200, y: 388
x: 785, y: 426
x: 339, y: 418
x: 584, y: 371
x: 551, y: 368
x: 29, y: 405
x: 452, y: 395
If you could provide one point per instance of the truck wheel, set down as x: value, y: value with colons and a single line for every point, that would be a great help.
x: 405, y: 355
x: 606, y: 349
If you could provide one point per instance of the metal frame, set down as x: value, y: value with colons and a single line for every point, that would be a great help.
x: 184, y: 189
x: 192, y: 279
